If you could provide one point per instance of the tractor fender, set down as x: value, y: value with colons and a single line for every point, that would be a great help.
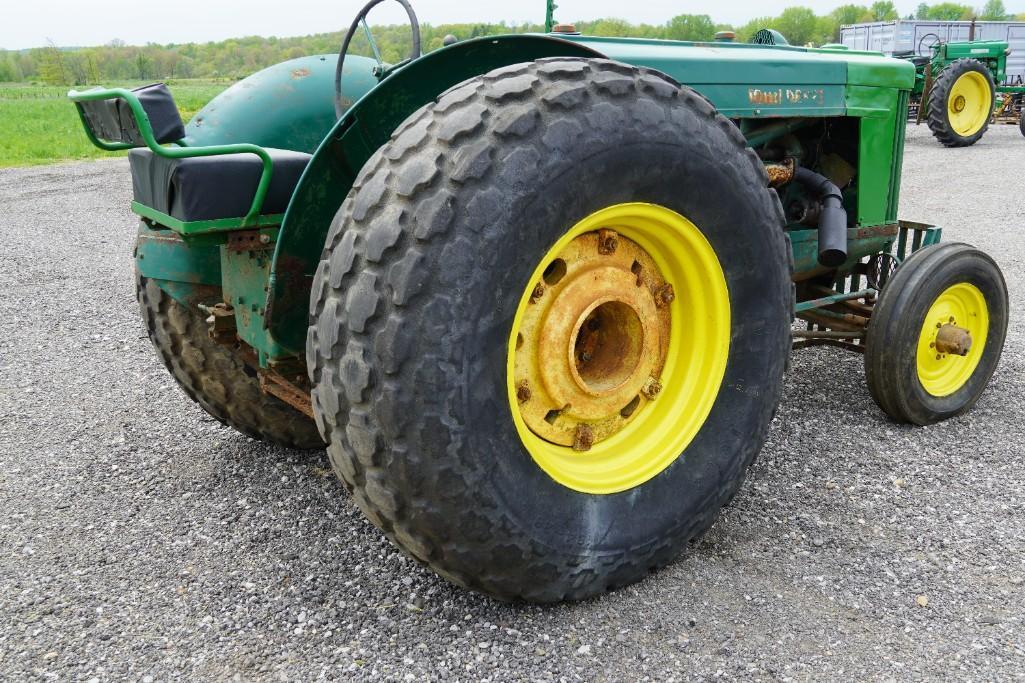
x: 287, y: 106
x: 364, y: 128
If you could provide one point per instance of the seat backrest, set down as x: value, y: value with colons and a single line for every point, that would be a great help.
x: 113, y: 121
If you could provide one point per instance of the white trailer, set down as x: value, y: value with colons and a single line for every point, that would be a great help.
x: 914, y: 36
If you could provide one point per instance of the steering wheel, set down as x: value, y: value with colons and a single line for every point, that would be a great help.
x: 936, y: 39
x: 361, y: 20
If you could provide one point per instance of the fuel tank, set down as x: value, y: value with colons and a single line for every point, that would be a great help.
x: 288, y: 106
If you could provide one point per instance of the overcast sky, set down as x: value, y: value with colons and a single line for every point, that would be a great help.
x: 30, y: 23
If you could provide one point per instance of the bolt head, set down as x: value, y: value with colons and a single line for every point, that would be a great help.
x: 539, y: 291
x: 652, y: 388
x: 584, y: 438
x: 665, y: 295
x: 608, y: 242
x: 523, y: 392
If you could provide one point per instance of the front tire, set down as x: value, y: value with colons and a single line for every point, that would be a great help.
x: 451, y: 229
x: 940, y: 295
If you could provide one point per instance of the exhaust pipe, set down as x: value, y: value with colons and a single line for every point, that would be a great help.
x: 832, y: 218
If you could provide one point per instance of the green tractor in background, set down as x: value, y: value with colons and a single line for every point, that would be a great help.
x: 536, y: 293
x: 957, y: 93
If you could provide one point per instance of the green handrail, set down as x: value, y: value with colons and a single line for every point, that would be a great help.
x: 180, y: 152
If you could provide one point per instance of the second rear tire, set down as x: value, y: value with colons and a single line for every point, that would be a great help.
x: 214, y: 377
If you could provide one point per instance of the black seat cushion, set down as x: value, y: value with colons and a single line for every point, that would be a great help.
x: 113, y: 120
x: 207, y: 188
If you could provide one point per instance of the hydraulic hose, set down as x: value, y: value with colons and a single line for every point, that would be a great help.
x: 832, y: 218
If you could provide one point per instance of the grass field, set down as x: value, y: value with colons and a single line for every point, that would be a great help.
x: 38, y: 125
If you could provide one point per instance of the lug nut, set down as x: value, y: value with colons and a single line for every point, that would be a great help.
x: 584, y: 438
x: 608, y: 241
x: 523, y: 392
x: 664, y: 295
x: 539, y: 291
x: 652, y: 388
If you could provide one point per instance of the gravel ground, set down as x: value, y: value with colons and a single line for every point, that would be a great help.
x: 141, y: 540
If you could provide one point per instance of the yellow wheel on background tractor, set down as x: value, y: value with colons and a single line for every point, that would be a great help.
x: 550, y: 327
x: 937, y: 333
x: 961, y: 103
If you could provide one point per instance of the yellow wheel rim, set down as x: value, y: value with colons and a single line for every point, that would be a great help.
x: 953, y: 339
x: 969, y: 104
x: 618, y: 348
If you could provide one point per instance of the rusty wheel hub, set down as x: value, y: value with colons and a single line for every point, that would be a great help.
x: 593, y: 341
x: 951, y: 339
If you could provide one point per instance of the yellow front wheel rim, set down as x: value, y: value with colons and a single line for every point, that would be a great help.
x: 969, y: 104
x: 960, y: 311
x: 618, y: 348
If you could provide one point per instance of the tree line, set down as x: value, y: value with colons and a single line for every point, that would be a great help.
x: 235, y: 58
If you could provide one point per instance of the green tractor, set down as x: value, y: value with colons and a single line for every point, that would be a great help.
x: 536, y: 293
x: 956, y: 89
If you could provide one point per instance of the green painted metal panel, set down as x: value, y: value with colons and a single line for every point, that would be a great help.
x: 744, y: 80
x: 873, y: 69
x: 365, y: 127
x: 164, y: 255
x: 286, y: 106
x: 216, y: 225
x: 876, y: 162
x: 897, y: 150
x: 870, y: 102
x: 979, y: 49
x: 745, y: 64
x: 244, y: 276
x: 723, y: 63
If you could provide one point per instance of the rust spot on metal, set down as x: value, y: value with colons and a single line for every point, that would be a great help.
x: 886, y: 230
x: 764, y: 97
x: 249, y: 240
x: 608, y: 241
x: 300, y: 73
x: 293, y: 283
x: 664, y: 295
x: 539, y: 291
x: 652, y: 388
x: 523, y: 392
x: 608, y: 347
x: 221, y: 323
x: 584, y: 438
x: 274, y: 384
x: 794, y: 96
x: 781, y: 172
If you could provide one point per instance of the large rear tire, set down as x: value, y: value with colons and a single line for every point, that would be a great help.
x: 961, y: 103
x: 215, y: 378
x: 500, y: 199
